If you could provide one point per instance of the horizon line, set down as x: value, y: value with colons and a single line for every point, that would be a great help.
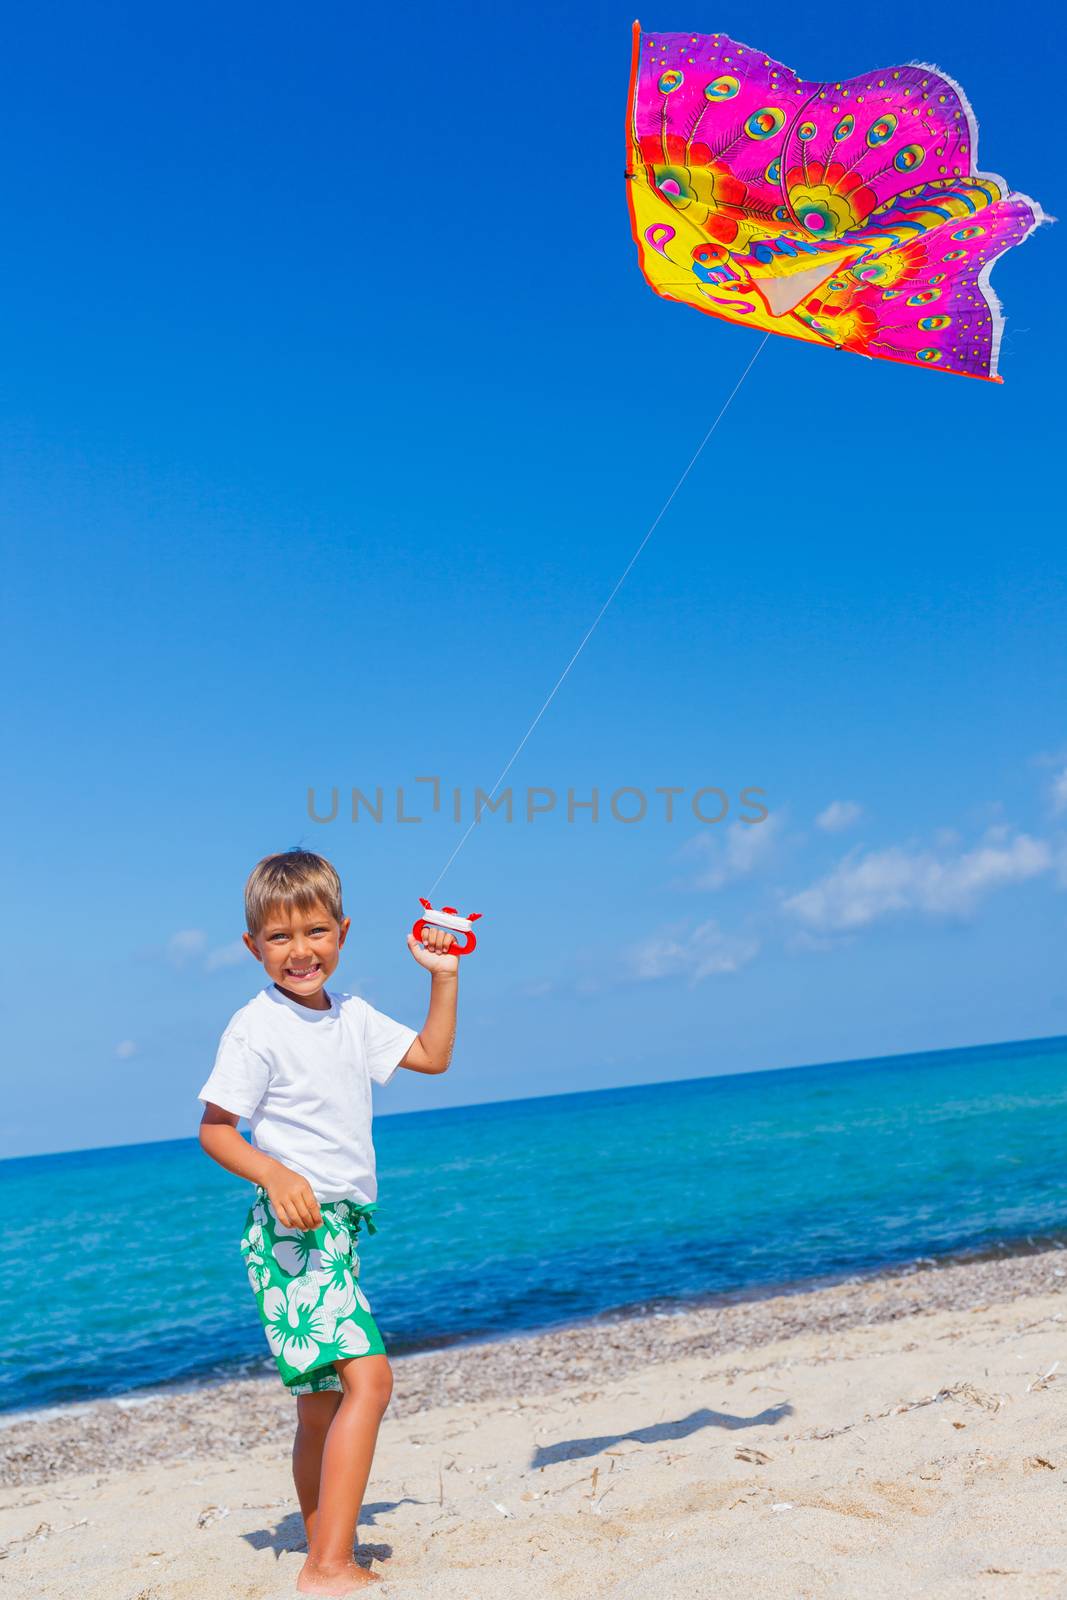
x: 571, y: 1094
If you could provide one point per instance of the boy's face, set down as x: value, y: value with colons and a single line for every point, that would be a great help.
x: 299, y: 950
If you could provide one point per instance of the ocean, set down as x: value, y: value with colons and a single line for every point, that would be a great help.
x: 122, y: 1269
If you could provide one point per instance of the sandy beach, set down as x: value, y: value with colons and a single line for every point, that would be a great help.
x: 898, y: 1435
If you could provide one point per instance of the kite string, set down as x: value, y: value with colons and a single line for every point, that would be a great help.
x: 597, y: 619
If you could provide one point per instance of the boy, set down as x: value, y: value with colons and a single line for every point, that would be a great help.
x: 298, y: 1061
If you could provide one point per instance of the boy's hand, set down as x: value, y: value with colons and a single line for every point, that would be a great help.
x: 432, y: 952
x: 293, y: 1200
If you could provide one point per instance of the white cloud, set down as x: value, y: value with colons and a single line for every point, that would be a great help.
x: 869, y: 885
x: 125, y: 1049
x: 742, y: 850
x: 535, y: 988
x: 839, y: 815
x: 226, y: 955
x: 801, y: 939
x: 190, y: 946
x: 704, y: 953
x: 183, y: 946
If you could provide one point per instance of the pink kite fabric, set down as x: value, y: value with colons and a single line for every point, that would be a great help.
x: 849, y: 214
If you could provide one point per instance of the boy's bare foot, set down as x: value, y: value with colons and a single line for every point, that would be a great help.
x: 314, y: 1579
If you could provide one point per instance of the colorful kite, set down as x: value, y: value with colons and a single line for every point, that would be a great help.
x: 847, y: 214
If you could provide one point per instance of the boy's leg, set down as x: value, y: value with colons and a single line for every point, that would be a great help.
x: 330, y: 1569
x: 314, y: 1413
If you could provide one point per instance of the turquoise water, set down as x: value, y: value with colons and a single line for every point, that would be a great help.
x: 122, y: 1266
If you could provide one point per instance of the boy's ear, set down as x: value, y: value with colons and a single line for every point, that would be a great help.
x: 250, y: 944
x: 343, y: 931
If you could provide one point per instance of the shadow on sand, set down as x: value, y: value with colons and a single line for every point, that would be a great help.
x: 288, y: 1534
x: 574, y: 1449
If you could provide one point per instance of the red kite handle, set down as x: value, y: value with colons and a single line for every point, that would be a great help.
x: 453, y: 950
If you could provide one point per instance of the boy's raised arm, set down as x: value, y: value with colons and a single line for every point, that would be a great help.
x: 431, y: 1051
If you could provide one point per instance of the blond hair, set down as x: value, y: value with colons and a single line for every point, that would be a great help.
x: 291, y: 878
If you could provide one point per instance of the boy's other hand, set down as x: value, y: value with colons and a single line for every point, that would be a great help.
x: 293, y: 1200
x: 432, y: 953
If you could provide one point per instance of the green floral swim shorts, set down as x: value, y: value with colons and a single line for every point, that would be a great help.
x: 304, y: 1280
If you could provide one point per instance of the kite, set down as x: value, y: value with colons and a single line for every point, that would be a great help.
x: 851, y: 214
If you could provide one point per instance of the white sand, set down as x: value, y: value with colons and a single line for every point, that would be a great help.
x: 925, y: 1456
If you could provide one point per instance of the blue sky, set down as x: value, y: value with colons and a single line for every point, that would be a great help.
x: 334, y: 403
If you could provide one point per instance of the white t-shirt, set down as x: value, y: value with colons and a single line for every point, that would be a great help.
x: 303, y: 1080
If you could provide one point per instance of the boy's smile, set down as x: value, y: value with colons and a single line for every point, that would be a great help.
x: 299, y: 950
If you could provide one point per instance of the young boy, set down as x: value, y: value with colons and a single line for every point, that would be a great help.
x: 298, y: 1061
